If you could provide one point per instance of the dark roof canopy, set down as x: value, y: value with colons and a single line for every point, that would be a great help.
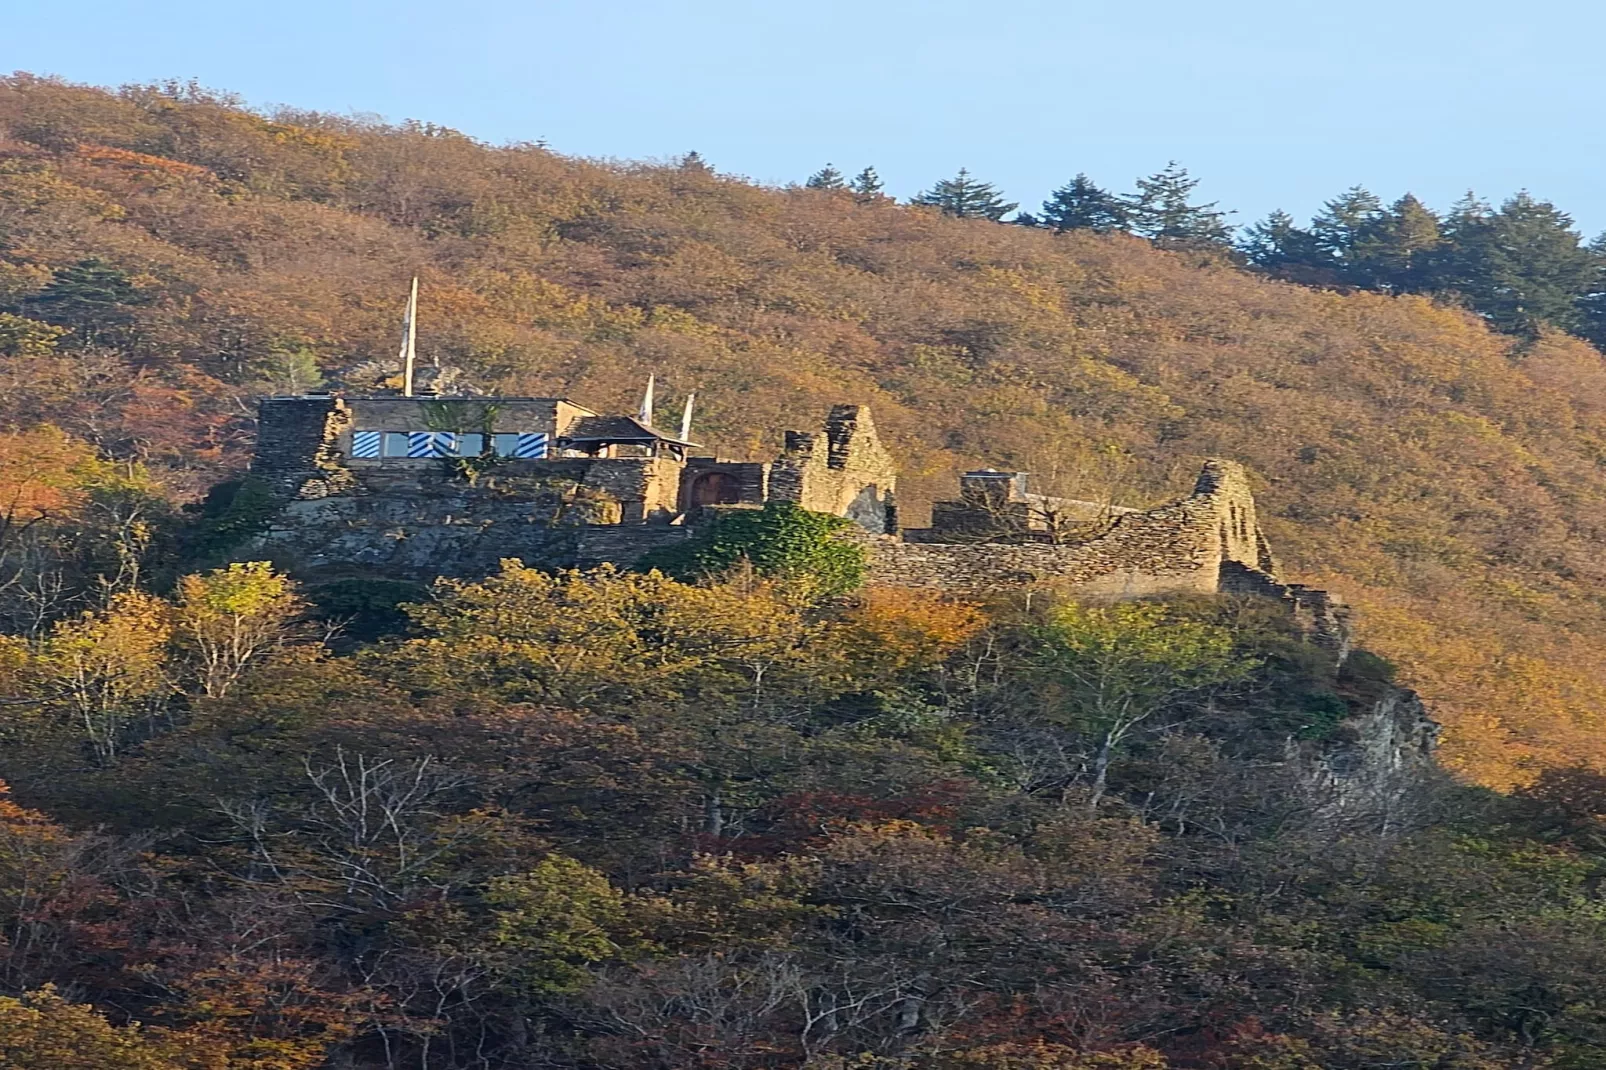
x: 621, y: 429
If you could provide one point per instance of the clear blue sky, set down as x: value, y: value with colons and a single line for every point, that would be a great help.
x: 1273, y: 104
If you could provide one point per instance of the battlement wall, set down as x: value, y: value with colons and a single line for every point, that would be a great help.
x: 1175, y: 549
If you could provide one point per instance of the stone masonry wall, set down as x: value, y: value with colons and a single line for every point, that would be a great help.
x: 1175, y: 549
x: 1207, y: 543
x: 845, y: 470
x: 419, y: 521
x: 297, y: 442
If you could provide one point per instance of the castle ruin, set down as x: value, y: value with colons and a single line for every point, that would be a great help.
x: 416, y: 487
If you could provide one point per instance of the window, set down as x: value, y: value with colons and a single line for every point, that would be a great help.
x: 395, y: 444
x: 470, y: 445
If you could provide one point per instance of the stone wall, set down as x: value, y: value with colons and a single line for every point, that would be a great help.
x: 1177, y: 548
x: 298, y: 443
x: 1323, y: 617
x: 419, y: 521
x: 463, y: 534
x: 624, y: 544
x: 843, y: 470
x: 1207, y: 543
x: 1114, y: 569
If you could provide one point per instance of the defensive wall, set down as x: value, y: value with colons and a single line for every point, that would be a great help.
x: 1208, y: 542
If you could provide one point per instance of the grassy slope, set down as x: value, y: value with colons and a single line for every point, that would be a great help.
x: 1443, y: 480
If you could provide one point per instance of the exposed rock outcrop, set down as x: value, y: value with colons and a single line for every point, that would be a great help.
x: 1374, y: 765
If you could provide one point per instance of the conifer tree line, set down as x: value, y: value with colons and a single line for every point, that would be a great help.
x: 1522, y: 266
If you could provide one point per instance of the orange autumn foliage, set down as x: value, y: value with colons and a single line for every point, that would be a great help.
x: 899, y: 629
x: 42, y: 474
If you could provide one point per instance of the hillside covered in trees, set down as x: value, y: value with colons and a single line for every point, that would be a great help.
x: 167, y: 257
x: 621, y: 820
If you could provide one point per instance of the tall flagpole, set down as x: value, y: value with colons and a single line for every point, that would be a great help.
x: 685, y: 418
x: 409, y: 340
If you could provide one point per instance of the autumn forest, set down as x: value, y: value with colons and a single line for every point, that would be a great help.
x: 759, y: 812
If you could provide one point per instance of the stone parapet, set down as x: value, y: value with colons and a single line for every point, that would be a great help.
x: 1206, y: 543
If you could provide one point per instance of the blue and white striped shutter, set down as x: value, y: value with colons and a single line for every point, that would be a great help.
x: 420, y: 443
x: 365, y: 443
x: 531, y: 444
x: 445, y: 444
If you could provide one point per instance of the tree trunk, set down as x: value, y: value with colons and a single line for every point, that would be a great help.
x: 714, y: 820
x: 1101, y: 772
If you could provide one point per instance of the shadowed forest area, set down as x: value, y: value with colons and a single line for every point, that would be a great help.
x: 621, y: 820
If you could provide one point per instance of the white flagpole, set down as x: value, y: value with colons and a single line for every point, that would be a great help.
x: 409, y: 340
x: 645, y: 416
x: 685, y: 418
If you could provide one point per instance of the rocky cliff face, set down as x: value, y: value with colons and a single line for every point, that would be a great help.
x: 1374, y: 764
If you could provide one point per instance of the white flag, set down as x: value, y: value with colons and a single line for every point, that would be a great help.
x: 645, y: 416
x: 685, y: 418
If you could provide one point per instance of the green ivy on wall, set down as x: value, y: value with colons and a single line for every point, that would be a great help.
x: 782, y: 540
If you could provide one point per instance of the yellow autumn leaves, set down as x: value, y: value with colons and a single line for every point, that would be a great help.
x: 109, y: 673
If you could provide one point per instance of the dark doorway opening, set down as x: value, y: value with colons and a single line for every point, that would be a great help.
x: 716, y: 488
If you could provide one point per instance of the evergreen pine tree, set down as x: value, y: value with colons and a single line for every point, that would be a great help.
x: 1279, y: 246
x: 1344, y: 231
x: 90, y: 296
x: 966, y: 198
x: 1160, y: 211
x: 866, y: 185
x: 1401, y: 247
x: 1592, y: 304
x: 693, y: 161
x: 1449, y: 267
x: 1521, y: 267
x: 1081, y: 205
x: 827, y: 177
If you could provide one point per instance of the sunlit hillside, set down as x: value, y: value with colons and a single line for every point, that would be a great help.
x: 1445, y: 479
